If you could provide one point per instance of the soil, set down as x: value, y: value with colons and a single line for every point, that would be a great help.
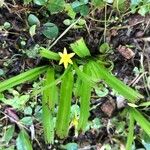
x: 130, y: 33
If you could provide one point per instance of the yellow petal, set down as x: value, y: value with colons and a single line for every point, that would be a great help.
x: 65, y: 64
x: 71, y: 55
x: 70, y: 61
x: 61, y: 61
x: 65, y: 51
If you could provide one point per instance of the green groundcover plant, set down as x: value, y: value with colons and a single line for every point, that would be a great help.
x: 81, y: 74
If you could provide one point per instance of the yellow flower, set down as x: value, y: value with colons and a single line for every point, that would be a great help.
x: 75, y: 122
x: 65, y: 58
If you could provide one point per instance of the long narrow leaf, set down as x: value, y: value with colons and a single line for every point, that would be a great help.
x: 80, y: 48
x: 23, y: 141
x: 84, y: 76
x: 145, y: 104
x: 21, y: 78
x: 48, y: 101
x: 103, y: 74
x: 63, y: 115
x: 84, y: 101
x: 141, y: 120
x: 49, y: 54
x: 57, y: 81
x: 51, y: 92
x: 131, y: 133
x: 77, y: 88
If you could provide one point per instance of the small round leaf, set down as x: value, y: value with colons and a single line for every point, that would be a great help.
x: 33, y: 20
x: 40, y: 2
x: 50, y: 30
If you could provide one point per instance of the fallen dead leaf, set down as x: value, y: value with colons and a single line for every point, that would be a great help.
x: 126, y: 52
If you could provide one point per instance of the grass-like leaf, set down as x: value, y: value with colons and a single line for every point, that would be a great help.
x: 23, y: 141
x: 141, y: 120
x: 63, y: 115
x: 80, y: 48
x: 57, y: 81
x: 83, y: 76
x: 49, y: 54
x: 102, y: 73
x: 99, y: 72
x: 85, y: 96
x: 145, y: 104
x: 48, y: 101
x: 131, y: 133
x: 77, y: 88
x: 21, y: 78
x: 9, y: 133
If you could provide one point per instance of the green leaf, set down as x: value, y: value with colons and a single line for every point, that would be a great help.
x: 84, y: 10
x: 28, y: 110
x: 48, y: 124
x: 77, y: 87
x: 145, y: 104
x: 50, y: 30
x: 135, y: 2
x: 9, y: 133
x: 55, y: 6
x: 82, y: 22
x: 33, y: 20
x: 38, y: 113
x: 23, y: 141
x: 17, y: 102
x: 98, y: 3
x: 101, y: 91
x: 58, y: 80
x: 80, y: 48
x: 49, y: 54
x: 104, y: 48
x: 141, y: 120
x: 51, y: 95
x: 75, y: 111
x: 99, y: 72
x: 146, y: 145
x: 7, y: 25
x: 146, y: 138
x: 80, y: 6
x: 33, y: 51
x: 40, y: 2
x: 32, y: 30
x: 70, y: 11
x: 83, y: 76
x: 70, y: 146
x: 144, y: 9
x: 21, y: 78
x: 2, y: 72
x: 76, y: 6
x: 120, y: 5
x: 146, y: 141
x: 26, y: 121
x: 96, y: 123
x: 85, y: 100
x: 64, y: 107
x: 103, y: 74
x: 84, y: 1
x: 10, y: 148
x: 49, y: 100
x: 130, y: 134
x: 67, y: 22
